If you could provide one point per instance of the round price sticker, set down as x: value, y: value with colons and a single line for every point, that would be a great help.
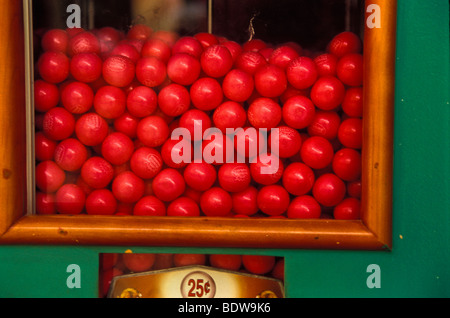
x: 198, y: 284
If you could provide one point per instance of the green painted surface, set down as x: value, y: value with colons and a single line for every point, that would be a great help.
x: 418, y: 265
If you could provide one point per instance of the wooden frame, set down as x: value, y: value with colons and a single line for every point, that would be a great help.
x: 372, y: 232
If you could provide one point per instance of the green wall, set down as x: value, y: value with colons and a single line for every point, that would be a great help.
x: 418, y: 265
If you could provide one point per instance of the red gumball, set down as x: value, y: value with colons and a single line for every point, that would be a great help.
x: 291, y: 92
x: 325, y: 124
x: 183, y: 206
x: 58, y: 123
x: 250, y: 61
x: 117, y: 148
x: 70, y: 199
x: 127, y: 187
x: 238, y: 85
x: 44, y: 147
x: 352, y: 105
x: 278, y: 270
x: 345, y: 43
x: 234, y: 48
x: 86, y: 67
x: 118, y: 70
x: 189, y: 45
x: 45, y: 203
x: 168, y: 184
x: 74, y: 31
x: 282, y: 56
x: 234, y: 177
x: 273, y: 200
x: 195, y: 122
x: 127, y: 124
x: 200, y: 176
x: 70, y: 154
x: 110, y: 102
x: 301, y: 72
x: 266, y: 52
x: 244, y: 202
x: 206, y: 39
x: 254, y: 45
x: 285, y: 142
x: 53, y: 67
x: 49, y: 176
x: 46, y: 95
x: 350, y: 69
x: 228, y: 262
x: 347, y: 164
x: 152, y: 131
x: 258, y: 264
x: 329, y: 190
x: 138, y: 262
x: 263, y: 112
x: 156, y: 47
x: 326, y: 64
x: 150, y: 71
x: 270, y: 80
x: 206, y: 93
x: 101, y: 202
x: 298, y: 178
x: 83, y: 42
x: 109, y: 35
x: 298, y: 112
x: 142, y: 101
x: 317, y: 152
x: 188, y: 259
x: 183, y: 68
x: 327, y: 93
x: 146, y: 162
x: 216, y: 61
x: 139, y: 32
x: 150, y: 206
x: 127, y: 50
x: 77, y: 97
x: 174, y: 100
x: 55, y: 40
x: 216, y: 202
x: 173, y: 152
x: 354, y: 189
x: 229, y: 114
x: 91, y: 129
x: 350, y: 133
x: 97, y: 172
x: 267, y: 169
x: 304, y: 207
x: 348, y: 209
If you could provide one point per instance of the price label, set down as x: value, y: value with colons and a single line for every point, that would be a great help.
x: 198, y: 285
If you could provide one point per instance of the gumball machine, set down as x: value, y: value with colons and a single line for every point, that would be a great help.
x: 148, y: 125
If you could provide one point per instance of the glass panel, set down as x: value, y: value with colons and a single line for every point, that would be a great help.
x: 140, y: 111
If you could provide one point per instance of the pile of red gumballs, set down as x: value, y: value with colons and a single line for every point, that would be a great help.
x: 107, y: 101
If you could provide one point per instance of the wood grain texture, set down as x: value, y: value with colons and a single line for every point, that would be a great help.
x: 12, y: 114
x: 202, y: 232
x: 378, y: 122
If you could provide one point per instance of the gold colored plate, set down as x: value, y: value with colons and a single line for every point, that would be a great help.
x: 194, y: 282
